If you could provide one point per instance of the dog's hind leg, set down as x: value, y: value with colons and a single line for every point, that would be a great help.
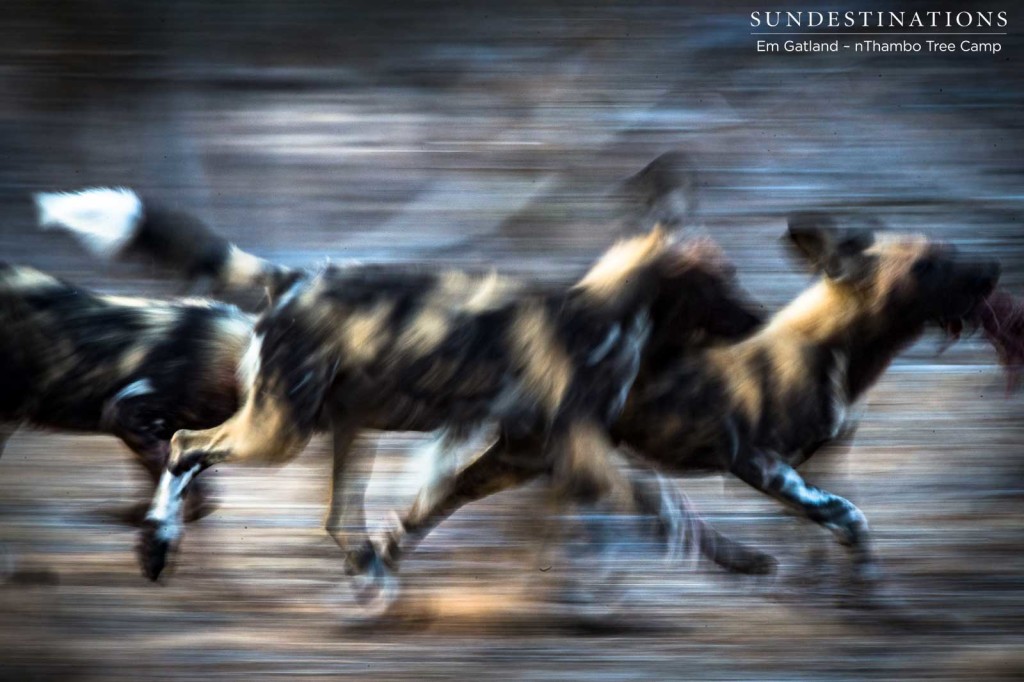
x: 504, y: 465
x: 774, y: 477
x: 499, y: 468
x: 509, y: 463
x: 679, y: 526
x: 372, y: 567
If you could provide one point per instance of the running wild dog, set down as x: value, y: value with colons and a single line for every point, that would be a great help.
x: 141, y: 369
x: 679, y: 320
x: 138, y: 369
x: 378, y: 344
x: 759, y: 407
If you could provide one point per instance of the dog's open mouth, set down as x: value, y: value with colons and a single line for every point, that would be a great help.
x: 1000, y: 316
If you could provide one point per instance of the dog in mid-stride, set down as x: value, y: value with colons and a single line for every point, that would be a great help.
x: 400, y: 349
x: 371, y: 347
x: 760, y: 406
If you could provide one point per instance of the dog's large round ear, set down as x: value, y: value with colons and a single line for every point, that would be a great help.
x: 836, y: 252
x: 812, y: 235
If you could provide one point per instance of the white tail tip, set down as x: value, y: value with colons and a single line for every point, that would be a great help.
x: 102, y: 218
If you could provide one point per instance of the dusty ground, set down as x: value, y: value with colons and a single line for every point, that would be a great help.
x: 461, y: 134
x: 258, y: 590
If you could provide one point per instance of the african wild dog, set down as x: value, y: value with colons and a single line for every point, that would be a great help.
x: 139, y: 369
x: 680, y: 319
x: 386, y: 348
x: 759, y: 407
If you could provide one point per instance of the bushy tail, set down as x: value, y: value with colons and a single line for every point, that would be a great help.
x: 116, y: 224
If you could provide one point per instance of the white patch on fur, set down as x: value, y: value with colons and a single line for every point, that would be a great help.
x: 136, y: 388
x: 104, y: 219
x: 290, y: 294
x: 232, y: 336
x: 439, y: 460
x: 242, y: 269
x: 443, y: 454
x: 249, y: 367
x: 166, y: 511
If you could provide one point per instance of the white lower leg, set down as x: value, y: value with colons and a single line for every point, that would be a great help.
x: 167, y: 510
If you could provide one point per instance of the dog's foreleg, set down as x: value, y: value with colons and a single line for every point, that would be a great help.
x: 681, y: 529
x: 152, y: 455
x: 138, y: 416
x: 346, y: 517
x: 164, y: 520
x: 447, y: 488
x: 506, y: 464
x: 772, y: 476
x: 191, y: 453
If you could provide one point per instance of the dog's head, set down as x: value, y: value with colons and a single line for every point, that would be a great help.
x: 909, y: 279
x: 701, y: 302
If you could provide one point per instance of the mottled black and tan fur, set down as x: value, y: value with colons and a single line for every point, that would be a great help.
x: 139, y: 369
x: 387, y: 348
x: 759, y: 407
x: 422, y: 315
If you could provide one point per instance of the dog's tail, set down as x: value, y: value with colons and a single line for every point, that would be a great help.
x: 116, y: 224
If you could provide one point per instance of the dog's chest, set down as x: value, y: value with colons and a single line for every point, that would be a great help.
x: 814, y: 414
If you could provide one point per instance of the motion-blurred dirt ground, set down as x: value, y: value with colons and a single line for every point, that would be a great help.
x: 457, y: 133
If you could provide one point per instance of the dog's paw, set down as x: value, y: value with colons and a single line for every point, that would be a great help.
x: 375, y: 589
x: 360, y: 561
x: 153, y: 550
